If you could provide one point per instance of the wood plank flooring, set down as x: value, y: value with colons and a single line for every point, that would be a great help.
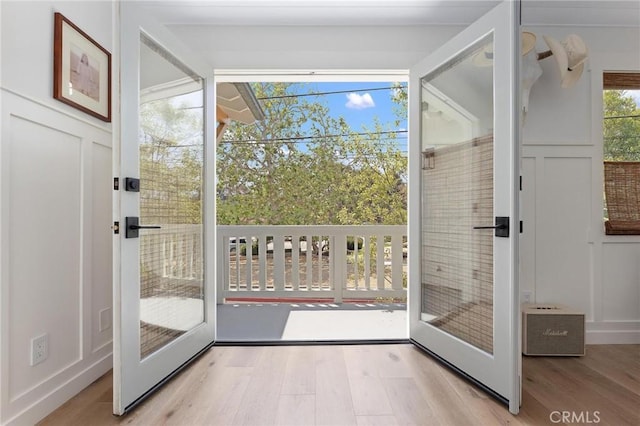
x: 369, y: 385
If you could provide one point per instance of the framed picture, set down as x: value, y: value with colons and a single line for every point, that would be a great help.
x: 81, y: 70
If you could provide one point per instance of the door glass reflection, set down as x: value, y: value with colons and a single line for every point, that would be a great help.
x: 457, y: 194
x: 171, y: 164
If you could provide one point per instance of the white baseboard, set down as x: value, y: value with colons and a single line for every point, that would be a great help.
x: 613, y: 332
x: 612, y: 337
x: 50, y: 402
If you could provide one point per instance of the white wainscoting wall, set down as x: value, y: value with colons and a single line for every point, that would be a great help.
x: 55, y: 217
x: 566, y: 257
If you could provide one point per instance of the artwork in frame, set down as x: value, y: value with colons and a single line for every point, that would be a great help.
x: 81, y: 70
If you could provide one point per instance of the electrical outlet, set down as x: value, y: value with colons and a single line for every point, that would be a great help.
x: 526, y: 296
x: 39, y: 349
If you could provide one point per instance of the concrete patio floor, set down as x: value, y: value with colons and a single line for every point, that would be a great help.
x: 246, y: 322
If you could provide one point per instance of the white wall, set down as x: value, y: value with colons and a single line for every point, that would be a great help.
x: 313, y: 47
x: 55, y: 215
x: 566, y: 257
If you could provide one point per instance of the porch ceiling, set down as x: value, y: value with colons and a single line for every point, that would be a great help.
x: 238, y: 102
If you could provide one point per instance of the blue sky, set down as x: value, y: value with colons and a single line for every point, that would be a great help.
x: 360, y: 104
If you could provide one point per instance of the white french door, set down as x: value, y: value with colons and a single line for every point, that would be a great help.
x: 163, y: 295
x: 463, y: 202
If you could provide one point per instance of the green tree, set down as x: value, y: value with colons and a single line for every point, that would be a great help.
x: 621, y: 128
x: 376, y: 183
x: 266, y: 173
x: 302, y: 166
x: 400, y: 98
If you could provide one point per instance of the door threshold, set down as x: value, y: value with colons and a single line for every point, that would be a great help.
x: 310, y: 342
x: 461, y: 373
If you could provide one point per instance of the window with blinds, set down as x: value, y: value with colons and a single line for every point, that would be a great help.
x: 621, y: 152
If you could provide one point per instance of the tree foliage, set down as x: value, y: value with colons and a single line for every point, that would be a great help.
x: 301, y: 166
x: 400, y: 98
x: 621, y: 126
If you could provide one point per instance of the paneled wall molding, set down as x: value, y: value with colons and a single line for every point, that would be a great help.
x: 49, y: 401
x: 557, y: 151
x: 56, y: 175
x: 603, y: 280
x: 79, y: 116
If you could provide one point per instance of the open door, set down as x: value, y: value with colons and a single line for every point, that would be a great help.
x: 464, y: 219
x: 163, y: 292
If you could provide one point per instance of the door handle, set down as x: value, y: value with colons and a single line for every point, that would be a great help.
x: 501, y: 226
x: 132, y: 225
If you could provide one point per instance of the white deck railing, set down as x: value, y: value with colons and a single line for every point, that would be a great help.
x: 337, y: 262
x: 174, y: 251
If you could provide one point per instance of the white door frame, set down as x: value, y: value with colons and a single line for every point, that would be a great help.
x: 130, y: 23
x: 133, y: 377
x: 484, y: 368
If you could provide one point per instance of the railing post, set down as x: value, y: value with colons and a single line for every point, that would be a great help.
x: 380, y: 262
x: 295, y: 262
x: 367, y: 262
x: 262, y: 261
x: 222, y: 259
x: 356, y: 255
x: 278, y: 262
x: 396, y: 262
x: 309, y: 257
x: 236, y: 251
x: 248, y: 244
x: 339, y: 254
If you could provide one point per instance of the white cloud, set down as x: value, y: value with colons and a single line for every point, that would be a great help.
x: 356, y: 101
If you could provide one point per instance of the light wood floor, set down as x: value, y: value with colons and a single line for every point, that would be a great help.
x: 368, y: 385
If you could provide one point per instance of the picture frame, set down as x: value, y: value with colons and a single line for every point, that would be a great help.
x: 81, y: 70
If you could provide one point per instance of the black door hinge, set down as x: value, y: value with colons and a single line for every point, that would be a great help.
x: 116, y: 184
x: 116, y: 227
x: 521, y: 227
x: 520, y: 183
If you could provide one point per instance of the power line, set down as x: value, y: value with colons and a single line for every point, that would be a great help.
x: 300, y: 138
x: 622, y: 137
x: 622, y: 116
x: 329, y: 93
x: 298, y: 142
x: 387, y: 142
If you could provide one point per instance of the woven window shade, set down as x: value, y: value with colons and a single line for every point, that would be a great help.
x: 457, y: 261
x: 622, y: 194
x: 171, y: 258
x: 621, y: 81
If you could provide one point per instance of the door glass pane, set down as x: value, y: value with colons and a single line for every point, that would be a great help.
x: 171, y: 180
x: 457, y: 194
